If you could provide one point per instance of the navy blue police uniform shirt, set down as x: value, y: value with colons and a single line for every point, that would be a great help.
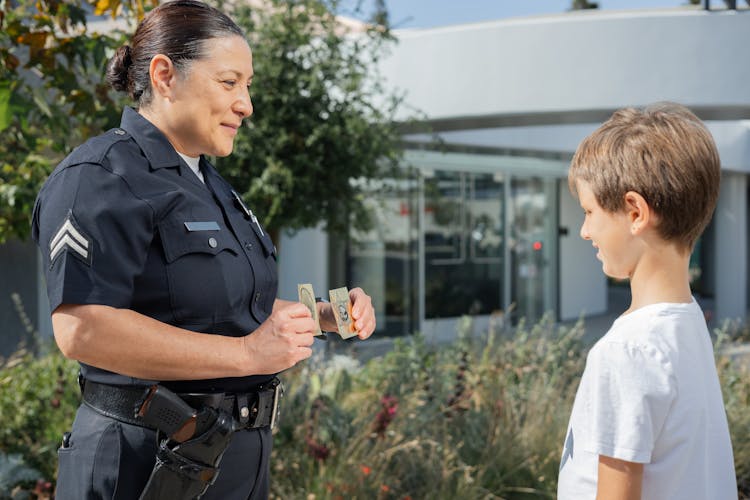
x: 124, y: 222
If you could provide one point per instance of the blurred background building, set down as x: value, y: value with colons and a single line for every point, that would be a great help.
x: 483, y: 223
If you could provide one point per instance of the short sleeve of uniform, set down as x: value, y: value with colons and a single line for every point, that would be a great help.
x: 627, y: 392
x: 94, y: 235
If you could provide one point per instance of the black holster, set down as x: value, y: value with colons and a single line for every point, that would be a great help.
x: 186, y: 469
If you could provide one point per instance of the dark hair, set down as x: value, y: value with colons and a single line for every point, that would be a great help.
x: 177, y: 29
x: 664, y: 153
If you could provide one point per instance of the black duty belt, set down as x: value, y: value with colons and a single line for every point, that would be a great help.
x: 249, y: 409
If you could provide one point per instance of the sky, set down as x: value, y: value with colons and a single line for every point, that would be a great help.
x: 432, y: 13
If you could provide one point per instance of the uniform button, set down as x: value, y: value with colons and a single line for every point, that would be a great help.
x: 244, y: 412
x: 212, y: 242
x: 257, y: 296
x: 119, y: 131
x: 249, y: 246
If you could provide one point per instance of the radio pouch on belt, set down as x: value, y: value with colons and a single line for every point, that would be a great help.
x: 189, y: 453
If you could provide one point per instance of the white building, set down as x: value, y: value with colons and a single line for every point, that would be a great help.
x: 487, y: 220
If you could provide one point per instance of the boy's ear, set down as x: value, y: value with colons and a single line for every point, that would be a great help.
x: 639, y: 212
x: 163, y: 75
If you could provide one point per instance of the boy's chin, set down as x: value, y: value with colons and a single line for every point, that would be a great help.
x: 610, y: 273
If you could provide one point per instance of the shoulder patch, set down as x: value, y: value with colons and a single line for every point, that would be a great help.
x: 70, y: 238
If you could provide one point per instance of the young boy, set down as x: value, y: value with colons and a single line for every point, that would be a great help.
x: 648, y: 419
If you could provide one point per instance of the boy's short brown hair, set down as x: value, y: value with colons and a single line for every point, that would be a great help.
x: 664, y: 153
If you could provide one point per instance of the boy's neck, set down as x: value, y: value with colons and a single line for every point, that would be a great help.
x: 660, y: 276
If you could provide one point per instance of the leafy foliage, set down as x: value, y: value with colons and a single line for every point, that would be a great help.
x: 481, y: 418
x: 322, y: 118
x: 734, y: 375
x: 52, y: 96
x: 13, y: 471
x: 38, y: 400
x: 484, y: 417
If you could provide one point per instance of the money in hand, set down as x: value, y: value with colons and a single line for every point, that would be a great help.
x: 307, y: 297
x: 342, y: 310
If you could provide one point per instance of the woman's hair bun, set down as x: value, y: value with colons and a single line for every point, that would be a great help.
x: 118, y: 69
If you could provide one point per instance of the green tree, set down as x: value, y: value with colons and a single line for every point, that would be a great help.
x: 52, y: 93
x: 322, y: 122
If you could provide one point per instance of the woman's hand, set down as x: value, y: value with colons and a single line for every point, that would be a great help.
x: 282, y: 341
x: 363, y: 313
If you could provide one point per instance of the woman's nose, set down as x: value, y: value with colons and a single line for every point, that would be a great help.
x: 244, y: 105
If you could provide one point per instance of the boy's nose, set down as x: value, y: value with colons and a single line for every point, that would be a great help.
x: 584, y: 232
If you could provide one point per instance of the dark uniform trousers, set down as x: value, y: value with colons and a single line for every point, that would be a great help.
x: 108, y: 459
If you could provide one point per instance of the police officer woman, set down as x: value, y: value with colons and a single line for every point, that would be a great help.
x: 163, y: 285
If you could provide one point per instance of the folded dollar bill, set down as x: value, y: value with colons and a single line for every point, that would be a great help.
x: 307, y: 297
x: 342, y: 310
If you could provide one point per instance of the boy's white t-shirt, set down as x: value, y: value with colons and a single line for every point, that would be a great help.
x: 650, y: 394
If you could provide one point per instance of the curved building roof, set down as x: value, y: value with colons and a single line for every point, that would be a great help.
x: 574, y: 67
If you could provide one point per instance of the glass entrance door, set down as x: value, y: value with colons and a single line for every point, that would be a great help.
x: 459, y: 235
x: 533, y: 248
x: 463, y: 244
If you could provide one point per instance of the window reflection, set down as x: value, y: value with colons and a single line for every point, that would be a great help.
x: 463, y: 224
x: 533, y: 230
x: 471, y: 263
x: 384, y: 260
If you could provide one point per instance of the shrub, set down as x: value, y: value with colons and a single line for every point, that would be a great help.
x: 38, y: 400
x: 483, y: 417
x: 735, y: 383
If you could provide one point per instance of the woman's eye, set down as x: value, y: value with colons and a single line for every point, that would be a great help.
x: 229, y: 83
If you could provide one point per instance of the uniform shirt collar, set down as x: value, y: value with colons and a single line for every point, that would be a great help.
x: 210, y: 174
x: 154, y: 144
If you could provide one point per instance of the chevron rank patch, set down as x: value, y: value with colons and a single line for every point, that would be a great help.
x: 70, y: 238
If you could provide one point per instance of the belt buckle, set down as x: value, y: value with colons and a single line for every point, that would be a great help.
x: 278, y: 391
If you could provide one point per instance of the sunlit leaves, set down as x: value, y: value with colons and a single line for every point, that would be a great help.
x: 4, y: 105
x: 316, y: 124
x: 104, y: 6
x: 321, y: 114
x: 51, y: 95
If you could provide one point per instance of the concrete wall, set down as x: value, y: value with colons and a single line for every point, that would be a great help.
x: 20, y: 304
x: 730, y: 232
x: 573, y: 62
x: 303, y: 258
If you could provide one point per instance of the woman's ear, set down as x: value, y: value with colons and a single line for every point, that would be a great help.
x: 163, y: 76
x: 639, y: 212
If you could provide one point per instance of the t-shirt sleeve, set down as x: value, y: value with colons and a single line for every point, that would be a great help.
x: 629, y: 391
x: 94, y: 235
